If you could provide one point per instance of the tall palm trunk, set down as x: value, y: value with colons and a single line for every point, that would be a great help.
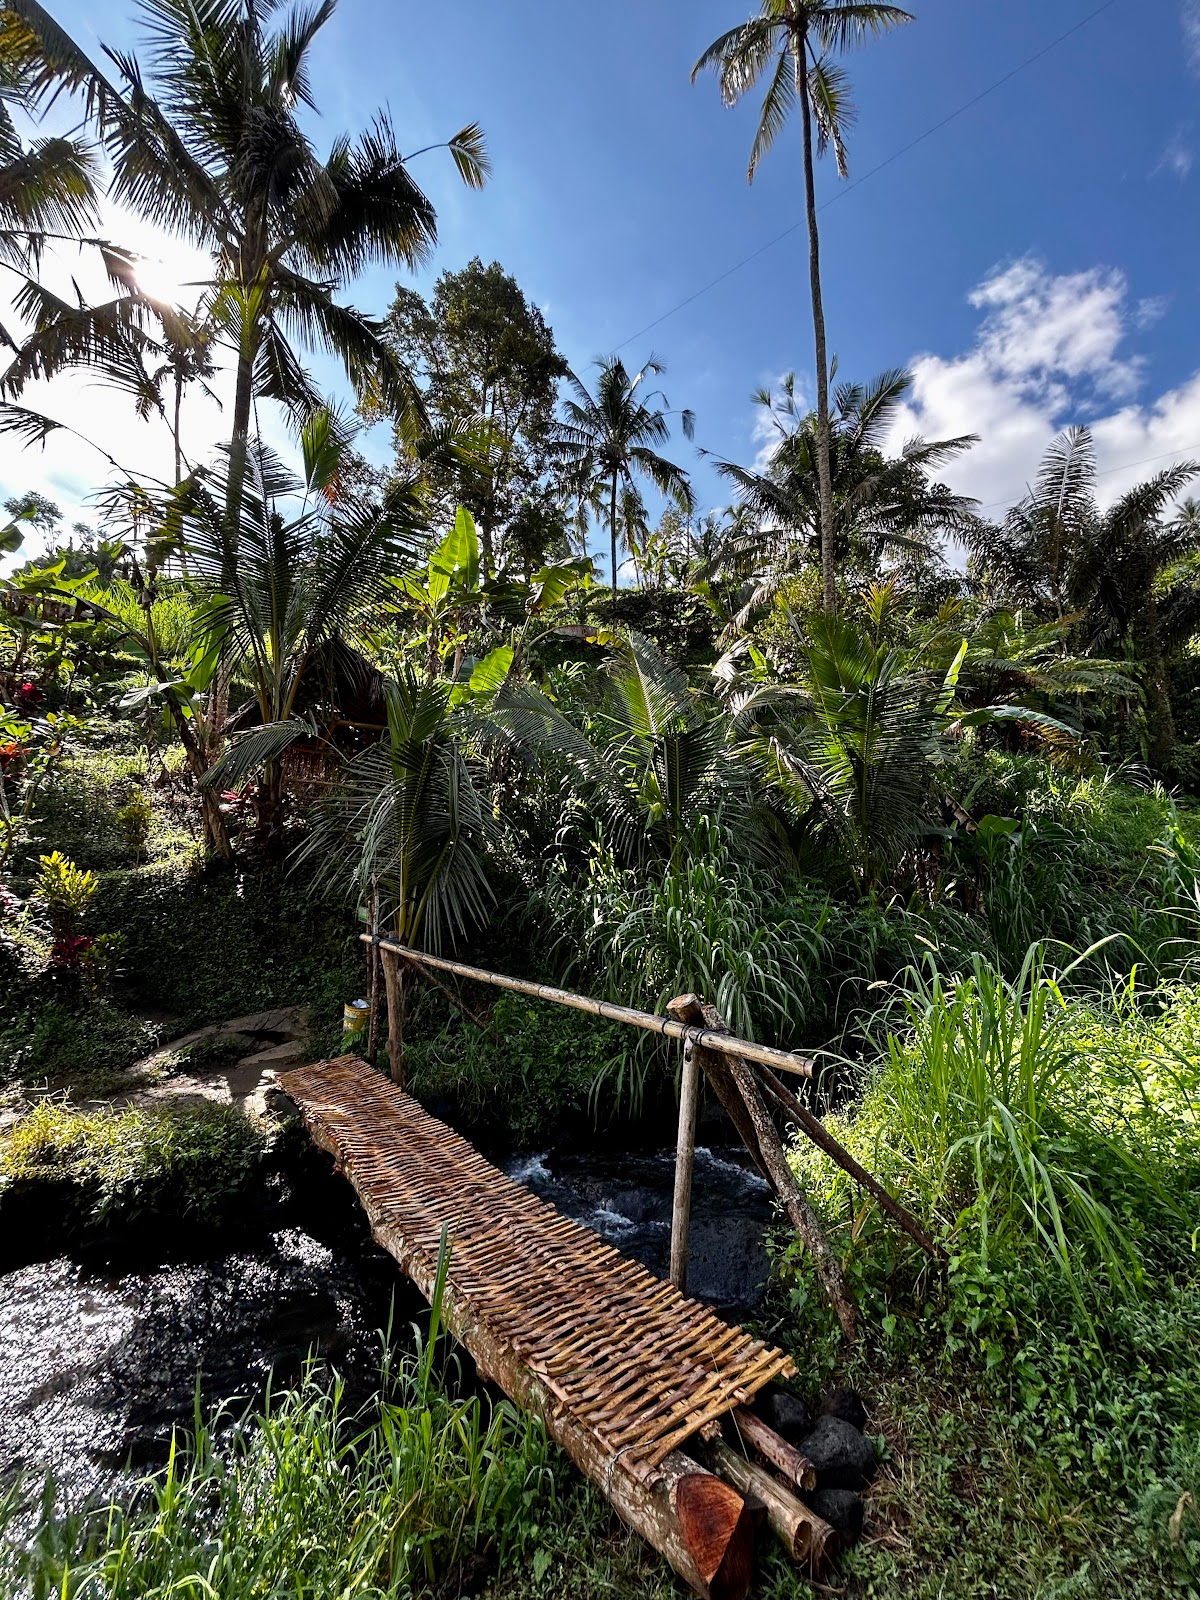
x: 218, y: 711
x: 612, y: 533
x: 824, y: 480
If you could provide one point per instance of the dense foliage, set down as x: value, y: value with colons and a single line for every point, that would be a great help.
x: 877, y: 777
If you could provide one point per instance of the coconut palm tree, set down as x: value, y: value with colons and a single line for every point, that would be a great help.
x: 882, y: 505
x: 407, y: 819
x: 796, y: 41
x: 607, y: 441
x: 206, y: 140
x: 151, y: 349
x: 47, y: 186
x: 1059, y: 553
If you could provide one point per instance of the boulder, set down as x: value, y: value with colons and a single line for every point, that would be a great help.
x: 847, y: 1404
x: 842, y: 1509
x: 842, y: 1457
x: 786, y: 1413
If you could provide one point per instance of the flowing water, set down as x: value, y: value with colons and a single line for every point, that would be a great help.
x: 97, y: 1366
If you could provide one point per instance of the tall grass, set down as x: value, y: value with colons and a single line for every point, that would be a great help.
x: 305, y: 1501
x: 1012, y: 1114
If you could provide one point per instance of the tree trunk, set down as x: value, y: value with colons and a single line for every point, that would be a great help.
x: 1160, y: 717
x: 824, y: 483
x: 239, y: 445
x: 612, y: 533
x: 175, y: 427
x: 394, y: 987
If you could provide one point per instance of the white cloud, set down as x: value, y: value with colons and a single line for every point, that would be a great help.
x: 1051, y: 350
x: 1178, y: 158
x: 1150, y: 310
x: 1040, y: 328
x: 1189, y: 17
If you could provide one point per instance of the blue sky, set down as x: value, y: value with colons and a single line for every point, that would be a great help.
x: 1035, y: 261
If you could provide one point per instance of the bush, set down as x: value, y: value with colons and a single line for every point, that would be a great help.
x: 530, y: 1073
x: 195, y: 1164
x: 54, y: 1040
x: 214, y: 944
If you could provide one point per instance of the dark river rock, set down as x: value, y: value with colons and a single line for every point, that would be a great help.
x: 99, y: 1362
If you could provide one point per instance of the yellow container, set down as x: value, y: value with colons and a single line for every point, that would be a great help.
x: 355, y: 1015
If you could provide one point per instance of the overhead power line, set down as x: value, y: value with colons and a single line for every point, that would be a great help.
x: 874, y: 171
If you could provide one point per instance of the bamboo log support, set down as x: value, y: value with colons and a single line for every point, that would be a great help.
x: 373, y: 926
x: 669, y: 1027
x: 820, y: 1135
x: 738, y: 1090
x: 763, y: 1442
x: 805, y: 1536
x: 685, y: 1152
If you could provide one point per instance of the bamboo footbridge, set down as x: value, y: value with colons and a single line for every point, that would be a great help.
x: 648, y: 1392
x: 622, y: 1367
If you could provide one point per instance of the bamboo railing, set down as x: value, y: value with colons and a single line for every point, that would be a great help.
x: 724, y: 1059
x: 651, y: 1021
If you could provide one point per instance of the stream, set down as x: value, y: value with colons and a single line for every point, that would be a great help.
x: 98, y: 1364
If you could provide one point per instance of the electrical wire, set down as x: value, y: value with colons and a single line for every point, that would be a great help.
x: 888, y: 161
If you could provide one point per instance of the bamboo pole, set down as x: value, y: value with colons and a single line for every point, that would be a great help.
x: 824, y: 1140
x: 393, y: 983
x: 804, y: 1535
x: 685, y: 1152
x: 776, y: 1452
x: 669, y: 1027
x: 373, y: 926
x: 738, y: 1090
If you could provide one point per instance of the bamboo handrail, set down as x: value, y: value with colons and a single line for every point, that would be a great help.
x: 701, y: 1038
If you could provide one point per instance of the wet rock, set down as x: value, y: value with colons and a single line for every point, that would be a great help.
x: 848, y: 1405
x: 842, y: 1509
x: 787, y: 1414
x: 842, y: 1457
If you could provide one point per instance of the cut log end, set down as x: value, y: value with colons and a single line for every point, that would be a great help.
x: 717, y: 1527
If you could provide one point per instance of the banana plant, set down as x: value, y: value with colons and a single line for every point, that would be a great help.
x: 452, y: 589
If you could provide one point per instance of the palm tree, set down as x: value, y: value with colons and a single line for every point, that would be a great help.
x: 48, y: 186
x: 797, y: 40
x: 406, y: 817
x: 296, y: 586
x: 881, y: 505
x: 657, y: 770
x: 1058, y: 552
x: 608, y: 440
x: 134, y: 342
x: 209, y: 144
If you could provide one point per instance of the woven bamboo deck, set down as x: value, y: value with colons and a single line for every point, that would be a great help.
x: 622, y: 1354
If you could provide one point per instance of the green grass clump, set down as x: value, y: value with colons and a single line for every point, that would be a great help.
x: 308, y: 1501
x: 1043, y: 1389
x: 190, y: 1162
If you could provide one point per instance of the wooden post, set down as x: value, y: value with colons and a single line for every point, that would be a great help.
x: 737, y: 1089
x: 373, y: 928
x: 393, y: 983
x: 685, y: 1151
